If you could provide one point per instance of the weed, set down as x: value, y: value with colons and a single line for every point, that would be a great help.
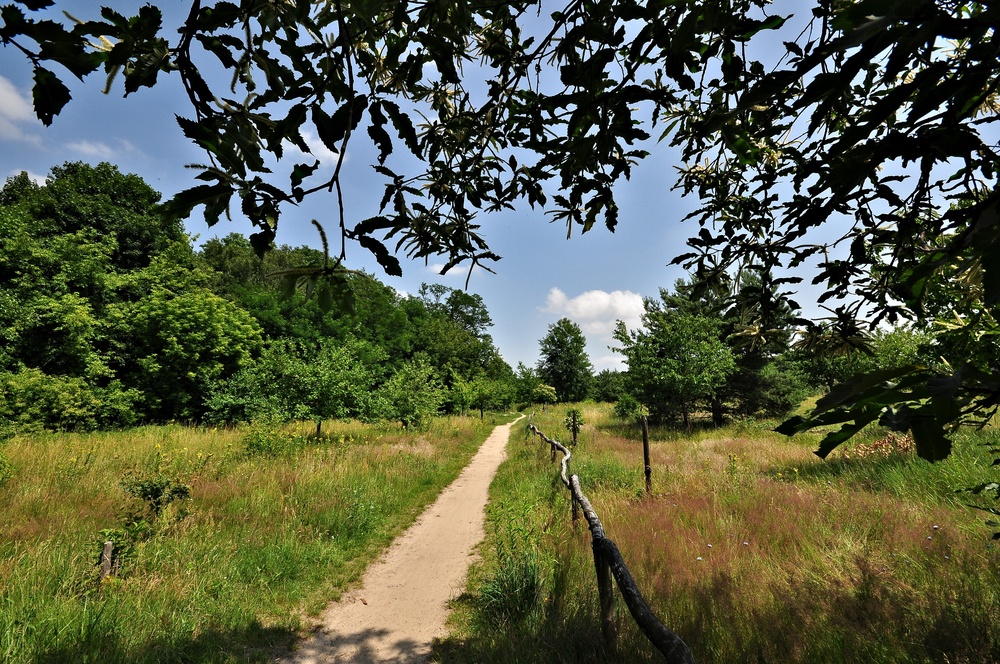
x: 516, y: 584
x: 6, y: 469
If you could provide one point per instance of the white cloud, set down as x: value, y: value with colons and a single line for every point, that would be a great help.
x: 100, y: 150
x: 13, y: 105
x: 317, y: 149
x: 15, y: 110
x: 596, y: 311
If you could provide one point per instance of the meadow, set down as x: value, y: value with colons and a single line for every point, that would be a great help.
x: 227, y: 540
x: 750, y: 547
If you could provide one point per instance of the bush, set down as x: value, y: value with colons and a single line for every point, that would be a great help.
x: 627, y: 407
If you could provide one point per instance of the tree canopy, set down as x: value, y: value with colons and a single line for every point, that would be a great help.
x: 564, y: 363
x: 864, y: 146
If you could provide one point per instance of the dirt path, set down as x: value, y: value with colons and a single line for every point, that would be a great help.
x: 402, y: 603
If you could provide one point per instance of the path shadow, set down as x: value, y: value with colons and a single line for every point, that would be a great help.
x: 361, y: 647
x: 255, y: 643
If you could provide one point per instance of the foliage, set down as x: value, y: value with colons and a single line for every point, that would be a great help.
x: 675, y: 361
x: 608, y: 386
x: 412, y: 395
x: 574, y: 422
x: 544, y: 394
x: 861, y: 149
x: 184, y: 343
x: 564, y: 363
x: 487, y: 394
x: 155, y: 491
x: 628, y: 408
x: 110, y: 318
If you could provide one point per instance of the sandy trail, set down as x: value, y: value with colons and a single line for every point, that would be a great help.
x: 402, y: 603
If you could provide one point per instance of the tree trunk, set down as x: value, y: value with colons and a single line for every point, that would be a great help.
x: 687, y: 420
x: 717, y: 411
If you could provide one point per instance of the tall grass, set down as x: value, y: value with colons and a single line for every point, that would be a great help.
x: 269, y: 535
x: 750, y: 547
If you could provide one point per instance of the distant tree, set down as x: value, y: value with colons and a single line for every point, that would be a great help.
x: 676, y: 360
x: 544, y: 394
x: 608, y: 386
x: 298, y: 381
x: 564, y: 363
x: 413, y: 394
x: 489, y: 394
x: 525, y: 381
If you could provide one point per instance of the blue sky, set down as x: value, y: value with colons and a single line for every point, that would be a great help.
x: 594, y: 279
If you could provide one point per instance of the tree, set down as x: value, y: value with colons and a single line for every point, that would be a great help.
x: 103, y: 301
x: 675, y: 361
x: 298, y: 381
x: 564, y: 363
x: 413, y: 394
x: 609, y: 385
x: 843, y: 150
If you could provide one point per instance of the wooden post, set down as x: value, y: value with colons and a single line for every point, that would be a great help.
x: 107, y: 559
x: 645, y: 455
x: 576, y: 509
x: 606, y: 594
x: 553, y: 448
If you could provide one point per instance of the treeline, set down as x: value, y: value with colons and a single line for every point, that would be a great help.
x: 736, y: 348
x: 109, y: 317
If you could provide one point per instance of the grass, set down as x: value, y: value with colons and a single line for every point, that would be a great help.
x: 271, y: 532
x: 751, y: 548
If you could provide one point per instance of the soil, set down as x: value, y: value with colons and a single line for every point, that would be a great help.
x: 402, y: 604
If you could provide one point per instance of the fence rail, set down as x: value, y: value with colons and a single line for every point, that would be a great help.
x: 608, y: 563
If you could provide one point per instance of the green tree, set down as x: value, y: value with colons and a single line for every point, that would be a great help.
x: 525, y: 381
x: 676, y: 360
x: 609, y: 385
x: 299, y: 381
x: 182, y: 344
x: 564, y: 363
x: 488, y: 394
x: 102, y: 297
x: 544, y: 394
x: 413, y: 394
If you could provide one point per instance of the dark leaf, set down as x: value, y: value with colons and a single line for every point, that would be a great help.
x: 388, y: 262
x: 49, y: 95
x: 378, y: 133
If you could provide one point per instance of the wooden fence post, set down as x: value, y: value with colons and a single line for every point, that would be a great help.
x: 645, y: 455
x: 605, y: 590
x: 107, y: 559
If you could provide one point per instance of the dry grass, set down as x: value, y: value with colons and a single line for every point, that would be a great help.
x: 753, y: 549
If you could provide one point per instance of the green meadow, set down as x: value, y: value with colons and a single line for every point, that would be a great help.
x: 227, y: 539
